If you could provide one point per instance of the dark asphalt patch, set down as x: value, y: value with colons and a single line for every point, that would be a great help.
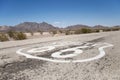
x: 14, y: 68
x: 97, y: 40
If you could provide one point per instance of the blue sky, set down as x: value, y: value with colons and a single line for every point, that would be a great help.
x: 60, y: 12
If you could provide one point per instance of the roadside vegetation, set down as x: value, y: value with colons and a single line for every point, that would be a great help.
x: 19, y: 36
x: 67, y: 32
x: 83, y: 30
x: 41, y: 32
x: 12, y: 35
x: 54, y: 32
x: 3, y: 37
x: 15, y: 35
x: 32, y: 34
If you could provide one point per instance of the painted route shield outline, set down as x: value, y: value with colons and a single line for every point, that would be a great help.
x: 57, y: 54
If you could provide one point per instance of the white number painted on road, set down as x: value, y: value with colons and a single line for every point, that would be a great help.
x: 76, y: 51
x: 41, y: 49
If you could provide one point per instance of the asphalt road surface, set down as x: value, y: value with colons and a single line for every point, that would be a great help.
x: 94, y: 56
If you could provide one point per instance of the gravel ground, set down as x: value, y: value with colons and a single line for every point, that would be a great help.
x: 17, y: 67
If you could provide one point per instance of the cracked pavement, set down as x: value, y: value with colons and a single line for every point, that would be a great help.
x: 18, y: 67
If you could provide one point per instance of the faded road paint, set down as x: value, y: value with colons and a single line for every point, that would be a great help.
x: 57, y: 54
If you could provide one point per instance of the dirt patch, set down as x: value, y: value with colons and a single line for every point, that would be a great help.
x: 9, y: 69
x: 97, y: 40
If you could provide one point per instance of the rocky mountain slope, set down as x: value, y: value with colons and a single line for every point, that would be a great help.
x: 33, y: 26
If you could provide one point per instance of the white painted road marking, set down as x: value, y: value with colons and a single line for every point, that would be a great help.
x: 101, y: 54
x: 41, y: 49
x: 75, y: 53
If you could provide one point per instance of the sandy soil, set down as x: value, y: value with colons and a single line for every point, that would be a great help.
x: 17, y: 67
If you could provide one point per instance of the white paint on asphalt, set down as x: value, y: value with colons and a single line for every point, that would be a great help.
x: 57, y: 54
x: 101, y: 54
x: 75, y: 53
x: 41, y: 49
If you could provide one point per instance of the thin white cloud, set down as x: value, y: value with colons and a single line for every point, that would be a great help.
x: 57, y: 22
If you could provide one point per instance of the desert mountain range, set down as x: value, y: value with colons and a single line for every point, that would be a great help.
x: 44, y: 26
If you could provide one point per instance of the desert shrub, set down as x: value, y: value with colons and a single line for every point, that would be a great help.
x: 67, y: 32
x: 96, y: 30
x: 60, y: 31
x: 115, y: 29
x: 85, y: 30
x: 11, y: 34
x: 19, y: 36
x: 16, y: 35
x: 78, y: 31
x: 41, y: 32
x: 54, y: 32
x: 3, y: 37
x: 106, y: 29
x: 31, y: 33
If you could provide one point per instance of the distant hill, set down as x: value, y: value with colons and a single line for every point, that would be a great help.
x: 29, y: 26
x: 78, y: 26
x: 33, y: 26
x: 5, y: 28
x: 118, y: 27
x: 100, y: 27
